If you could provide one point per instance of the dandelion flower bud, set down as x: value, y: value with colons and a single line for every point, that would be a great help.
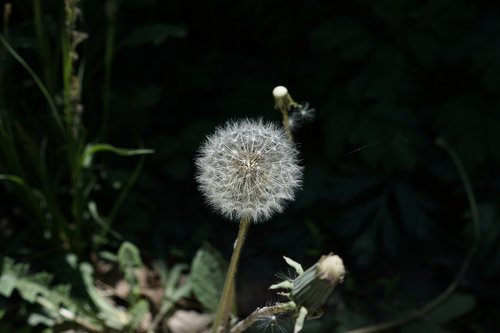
x: 248, y: 169
x: 280, y: 92
x: 331, y: 268
x: 312, y: 288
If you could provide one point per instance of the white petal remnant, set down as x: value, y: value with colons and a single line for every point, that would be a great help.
x: 331, y: 268
x: 248, y: 169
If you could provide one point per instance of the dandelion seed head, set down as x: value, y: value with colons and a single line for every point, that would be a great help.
x: 248, y: 169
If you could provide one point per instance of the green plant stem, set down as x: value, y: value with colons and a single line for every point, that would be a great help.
x: 262, y: 312
x: 476, y: 222
x: 123, y: 194
x: 225, y: 303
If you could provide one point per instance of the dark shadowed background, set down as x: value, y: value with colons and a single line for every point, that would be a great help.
x: 387, y: 78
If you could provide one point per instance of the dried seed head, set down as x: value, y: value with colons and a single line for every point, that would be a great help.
x: 248, y: 169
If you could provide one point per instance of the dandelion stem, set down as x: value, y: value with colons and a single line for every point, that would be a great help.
x: 283, y: 102
x: 226, y: 300
x: 262, y: 312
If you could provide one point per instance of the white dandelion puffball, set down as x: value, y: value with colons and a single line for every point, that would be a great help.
x: 248, y: 169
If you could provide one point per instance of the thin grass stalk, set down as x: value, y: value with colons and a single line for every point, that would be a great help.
x: 109, y: 50
x: 38, y: 81
x: 43, y: 46
x: 123, y: 194
x: 75, y: 141
x: 47, y: 187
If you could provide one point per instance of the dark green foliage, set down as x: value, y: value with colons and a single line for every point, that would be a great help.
x: 386, y: 78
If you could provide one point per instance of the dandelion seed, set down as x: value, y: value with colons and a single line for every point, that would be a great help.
x: 305, y: 112
x: 274, y: 323
x: 248, y: 169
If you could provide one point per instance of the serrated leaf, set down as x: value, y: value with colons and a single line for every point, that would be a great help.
x: 455, y: 306
x: 113, y: 317
x: 36, y: 288
x: 208, y: 271
x: 129, y: 256
x: 173, y: 292
x: 137, y: 313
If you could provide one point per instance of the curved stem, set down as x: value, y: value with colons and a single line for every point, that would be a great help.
x: 260, y: 313
x: 226, y: 300
x: 391, y: 324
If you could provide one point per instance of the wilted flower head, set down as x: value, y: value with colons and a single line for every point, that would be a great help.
x: 248, y: 169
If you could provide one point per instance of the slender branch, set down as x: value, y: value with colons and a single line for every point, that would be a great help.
x: 225, y: 303
x: 441, y: 143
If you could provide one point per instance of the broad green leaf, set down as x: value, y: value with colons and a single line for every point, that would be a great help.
x: 208, y: 271
x: 55, y: 301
